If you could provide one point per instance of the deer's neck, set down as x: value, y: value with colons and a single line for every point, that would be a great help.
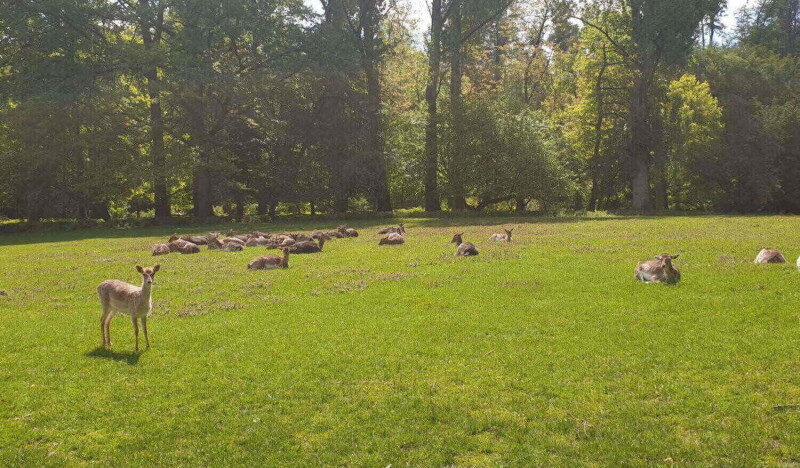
x: 147, y: 291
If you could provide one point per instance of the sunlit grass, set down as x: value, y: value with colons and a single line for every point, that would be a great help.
x: 541, y: 352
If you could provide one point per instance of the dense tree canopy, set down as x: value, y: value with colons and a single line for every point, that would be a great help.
x: 159, y: 108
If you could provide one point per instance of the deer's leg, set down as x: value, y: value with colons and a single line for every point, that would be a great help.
x: 107, y: 326
x: 103, y: 327
x: 135, y: 331
x: 144, y: 328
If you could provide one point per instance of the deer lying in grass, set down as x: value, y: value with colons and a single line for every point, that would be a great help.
x: 400, y: 229
x: 161, y: 249
x: 502, y: 237
x: 182, y: 246
x: 270, y: 262
x: 197, y: 240
x: 241, y: 237
x: 119, y: 297
x: 230, y: 246
x: 346, y: 231
x: 464, y: 249
x: 659, y: 270
x: 308, y: 246
x: 392, y: 238
x: 770, y: 256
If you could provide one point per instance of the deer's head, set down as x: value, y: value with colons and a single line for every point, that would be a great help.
x: 457, y: 239
x: 148, y: 274
x: 666, y: 260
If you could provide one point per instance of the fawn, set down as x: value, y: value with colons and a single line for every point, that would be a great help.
x: 659, y: 270
x: 119, y: 297
x: 464, y: 249
x: 502, y: 237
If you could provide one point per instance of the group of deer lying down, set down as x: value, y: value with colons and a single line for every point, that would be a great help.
x: 118, y: 297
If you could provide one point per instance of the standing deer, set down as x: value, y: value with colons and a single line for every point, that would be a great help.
x: 464, y: 249
x: 270, y: 262
x: 659, y: 270
x: 770, y: 256
x: 119, y: 297
x: 502, y: 237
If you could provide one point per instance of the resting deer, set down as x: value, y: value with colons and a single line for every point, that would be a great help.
x: 400, y: 229
x: 197, y: 240
x: 308, y: 246
x: 770, y: 256
x: 241, y: 237
x: 464, y: 249
x: 502, y: 237
x: 270, y: 262
x: 659, y: 270
x: 346, y: 231
x: 183, y: 247
x: 119, y: 297
x: 161, y: 249
x: 392, y: 239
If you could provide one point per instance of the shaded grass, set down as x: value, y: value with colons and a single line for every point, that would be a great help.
x: 543, y: 352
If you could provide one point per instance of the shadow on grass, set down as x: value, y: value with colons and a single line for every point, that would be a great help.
x: 131, y: 358
x: 294, y: 224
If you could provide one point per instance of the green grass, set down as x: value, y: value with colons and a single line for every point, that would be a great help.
x: 543, y: 352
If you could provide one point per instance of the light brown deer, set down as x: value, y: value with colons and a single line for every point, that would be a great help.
x: 770, y: 256
x: 308, y: 246
x: 161, y: 249
x: 270, y: 262
x: 119, y: 297
x: 659, y: 270
x: 392, y: 239
x: 502, y: 237
x: 346, y: 231
x: 464, y: 249
x: 400, y: 229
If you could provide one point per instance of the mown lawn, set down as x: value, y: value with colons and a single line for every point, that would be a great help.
x: 543, y: 352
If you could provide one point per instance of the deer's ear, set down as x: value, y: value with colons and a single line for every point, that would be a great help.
x: 676, y: 255
x: 139, y: 269
x: 156, y: 268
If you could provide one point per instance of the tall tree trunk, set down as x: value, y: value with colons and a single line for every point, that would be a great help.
x: 659, y: 166
x: 639, y: 145
x: 370, y: 58
x: 456, y: 169
x: 202, y: 175
x: 151, y: 40
x: 431, y: 166
x: 598, y: 132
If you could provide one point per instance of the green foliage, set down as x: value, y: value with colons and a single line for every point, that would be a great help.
x: 693, y: 132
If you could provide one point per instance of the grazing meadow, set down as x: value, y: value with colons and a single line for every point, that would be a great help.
x: 539, y: 352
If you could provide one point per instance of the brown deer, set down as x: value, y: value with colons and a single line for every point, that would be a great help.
x: 659, y: 270
x: 119, y: 297
x: 161, y: 249
x: 392, y: 239
x: 502, y: 237
x: 308, y: 246
x: 346, y: 231
x: 270, y: 262
x: 197, y: 240
x: 464, y: 249
x: 183, y: 247
x: 400, y: 229
x: 770, y: 256
x: 241, y: 237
